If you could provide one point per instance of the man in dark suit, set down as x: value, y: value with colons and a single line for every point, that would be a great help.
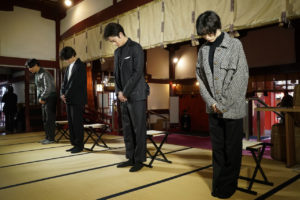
x: 132, y: 91
x: 74, y: 95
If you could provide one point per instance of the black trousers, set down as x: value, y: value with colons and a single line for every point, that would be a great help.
x: 134, y: 129
x: 49, y: 116
x: 10, y: 121
x: 75, y: 120
x: 226, y: 138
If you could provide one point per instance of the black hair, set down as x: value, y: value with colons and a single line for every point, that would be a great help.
x: 31, y: 63
x: 208, y: 23
x: 66, y: 53
x: 113, y: 29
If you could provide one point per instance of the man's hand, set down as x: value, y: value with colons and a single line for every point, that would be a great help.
x: 121, y: 97
x: 215, y: 109
x: 41, y: 101
x: 63, y: 98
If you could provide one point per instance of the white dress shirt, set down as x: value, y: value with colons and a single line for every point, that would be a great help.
x: 70, y: 69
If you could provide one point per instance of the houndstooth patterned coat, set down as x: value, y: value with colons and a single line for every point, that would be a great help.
x: 227, y: 86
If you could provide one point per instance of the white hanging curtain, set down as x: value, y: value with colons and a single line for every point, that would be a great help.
x: 93, y: 43
x: 222, y: 8
x: 178, y: 20
x: 130, y: 23
x: 293, y: 8
x: 81, y: 45
x: 151, y: 17
x: 162, y: 22
x: 254, y: 13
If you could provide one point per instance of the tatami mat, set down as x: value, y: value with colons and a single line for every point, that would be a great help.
x: 35, y: 171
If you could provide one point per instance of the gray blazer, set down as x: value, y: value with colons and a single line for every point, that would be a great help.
x: 228, y: 85
x: 44, y: 84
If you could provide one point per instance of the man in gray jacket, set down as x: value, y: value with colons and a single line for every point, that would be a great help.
x: 46, y: 94
x: 222, y: 72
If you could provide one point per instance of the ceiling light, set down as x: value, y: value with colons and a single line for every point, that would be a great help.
x: 68, y: 3
x: 175, y: 60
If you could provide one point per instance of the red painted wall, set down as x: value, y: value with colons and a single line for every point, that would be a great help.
x: 267, y: 119
x: 195, y: 106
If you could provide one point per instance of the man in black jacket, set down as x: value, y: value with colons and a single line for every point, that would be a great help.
x: 132, y: 91
x: 74, y: 95
x: 46, y: 94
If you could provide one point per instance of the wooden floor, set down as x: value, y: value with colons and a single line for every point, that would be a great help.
x: 32, y: 171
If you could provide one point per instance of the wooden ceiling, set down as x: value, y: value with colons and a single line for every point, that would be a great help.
x: 50, y: 9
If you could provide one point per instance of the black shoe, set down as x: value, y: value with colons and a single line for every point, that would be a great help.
x: 125, y: 164
x: 222, y: 195
x: 71, y: 149
x: 76, y: 150
x: 136, y: 167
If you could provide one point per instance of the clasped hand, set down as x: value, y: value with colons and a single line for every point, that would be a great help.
x: 121, y: 97
x: 215, y: 109
x: 63, y: 98
x: 41, y: 101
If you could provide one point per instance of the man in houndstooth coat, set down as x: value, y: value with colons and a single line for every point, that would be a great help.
x: 222, y: 72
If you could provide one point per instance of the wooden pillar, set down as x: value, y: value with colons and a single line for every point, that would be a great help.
x: 90, y: 87
x: 172, y: 51
x: 297, y: 39
x: 290, y: 140
x: 27, y: 111
x: 58, y: 71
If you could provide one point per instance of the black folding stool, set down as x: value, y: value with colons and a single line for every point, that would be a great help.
x: 150, y: 135
x: 95, y: 132
x: 62, y: 130
x: 257, y: 150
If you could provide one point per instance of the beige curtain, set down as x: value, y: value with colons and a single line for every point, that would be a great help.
x: 151, y: 17
x: 253, y: 13
x: 178, y: 20
x: 293, y: 8
x: 161, y: 22
x: 93, y: 43
x: 223, y: 8
x: 81, y: 45
x: 130, y: 23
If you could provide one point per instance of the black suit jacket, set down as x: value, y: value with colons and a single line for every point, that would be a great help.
x: 75, y: 89
x: 129, y: 71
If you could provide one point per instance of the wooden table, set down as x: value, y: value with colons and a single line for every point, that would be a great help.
x: 289, y: 131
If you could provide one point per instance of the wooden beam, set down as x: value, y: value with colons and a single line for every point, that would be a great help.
x: 21, y: 62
